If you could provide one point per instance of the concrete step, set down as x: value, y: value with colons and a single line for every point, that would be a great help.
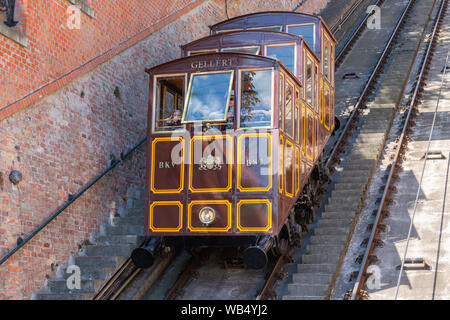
x: 343, y: 194
x: 123, y: 250
x: 320, y: 258
x: 131, y: 220
x: 329, y: 239
x: 91, y: 273
x: 336, y: 207
x: 60, y: 286
x: 98, y: 261
x: 317, y: 268
x: 348, y: 178
x: 307, y: 289
x: 331, y: 230
x: 56, y: 296
x: 331, y: 215
x: 292, y: 297
x: 334, y: 223
x: 312, y: 278
x: 122, y: 229
x: 339, y: 199
x: 362, y: 162
x: 322, y: 248
x: 118, y: 239
x: 134, y: 212
x: 349, y: 186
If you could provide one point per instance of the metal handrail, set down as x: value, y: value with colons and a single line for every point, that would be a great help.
x: 68, y: 203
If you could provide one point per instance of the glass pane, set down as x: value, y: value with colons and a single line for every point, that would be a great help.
x: 288, y: 109
x: 195, y: 53
x: 285, y: 54
x: 326, y: 59
x: 306, y: 31
x: 271, y: 28
x: 281, y: 103
x: 208, y: 97
x: 169, y: 103
x: 297, y: 116
x: 256, y: 98
x: 309, y: 81
x: 327, y: 106
x: 252, y: 50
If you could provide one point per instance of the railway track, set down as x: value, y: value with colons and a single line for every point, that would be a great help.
x: 265, y: 280
x: 374, y: 240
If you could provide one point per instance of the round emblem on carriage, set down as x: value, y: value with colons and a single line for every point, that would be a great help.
x: 207, y: 215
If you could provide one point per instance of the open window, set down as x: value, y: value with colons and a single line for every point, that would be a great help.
x: 283, y: 52
x: 256, y: 98
x: 307, y: 31
x: 251, y: 50
x: 168, y: 104
x: 208, y: 97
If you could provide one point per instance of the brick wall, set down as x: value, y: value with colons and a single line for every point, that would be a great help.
x: 66, y: 134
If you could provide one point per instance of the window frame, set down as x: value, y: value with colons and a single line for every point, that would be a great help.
x: 155, y: 100
x: 281, y: 101
x: 286, y: 44
x: 245, y: 47
x: 201, y: 51
x: 267, y: 28
x: 188, y: 93
x: 291, y: 83
x: 239, y: 98
x: 304, y: 24
x: 329, y: 46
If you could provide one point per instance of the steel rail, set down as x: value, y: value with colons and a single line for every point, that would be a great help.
x: 421, y: 180
x: 369, y: 83
x: 343, y: 19
x: 364, y: 264
x: 358, y: 30
x: 272, y: 277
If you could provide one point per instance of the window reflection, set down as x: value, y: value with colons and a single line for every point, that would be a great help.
x: 256, y: 98
x: 288, y: 109
x: 306, y: 31
x: 251, y: 50
x: 169, y: 103
x: 208, y: 97
x: 285, y: 54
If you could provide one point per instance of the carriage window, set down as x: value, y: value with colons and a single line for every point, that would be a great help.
x: 197, y: 52
x: 251, y: 50
x: 281, y: 102
x: 256, y: 98
x: 327, y: 106
x: 208, y: 97
x: 270, y: 28
x: 326, y: 57
x: 307, y: 31
x: 297, y: 116
x: 227, y: 30
x: 316, y: 88
x: 284, y: 53
x: 289, y: 96
x: 310, y: 135
x: 169, y: 103
x: 309, y: 80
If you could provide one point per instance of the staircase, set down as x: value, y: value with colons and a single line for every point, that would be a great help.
x: 315, y: 275
x: 99, y: 259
